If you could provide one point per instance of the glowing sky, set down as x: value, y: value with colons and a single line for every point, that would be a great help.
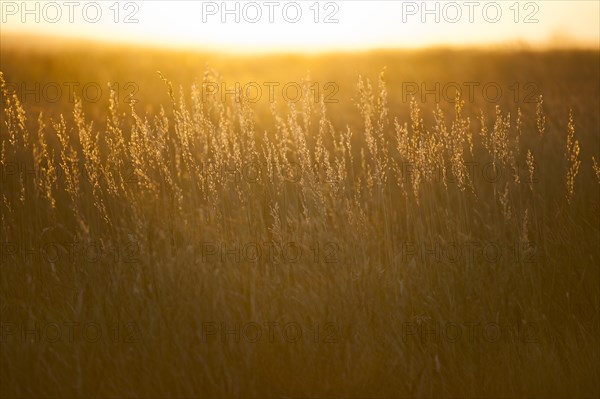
x: 309, y: 25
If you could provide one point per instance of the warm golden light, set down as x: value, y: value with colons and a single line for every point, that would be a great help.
x: 301, y: 199
x: 311, y: 25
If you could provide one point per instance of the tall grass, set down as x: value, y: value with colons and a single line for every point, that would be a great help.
x: 405, y: 228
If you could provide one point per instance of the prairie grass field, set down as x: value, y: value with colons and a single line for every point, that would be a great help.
x: 340, y: 225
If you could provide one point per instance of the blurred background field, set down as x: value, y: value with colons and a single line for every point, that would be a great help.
x: 565, y: 77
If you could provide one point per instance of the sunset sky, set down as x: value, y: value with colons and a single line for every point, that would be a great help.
x: 310, y: 25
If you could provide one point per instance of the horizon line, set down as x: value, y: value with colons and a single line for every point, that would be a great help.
x: 507, y: 45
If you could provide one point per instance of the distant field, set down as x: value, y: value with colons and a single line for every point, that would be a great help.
x: 339, y: 226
